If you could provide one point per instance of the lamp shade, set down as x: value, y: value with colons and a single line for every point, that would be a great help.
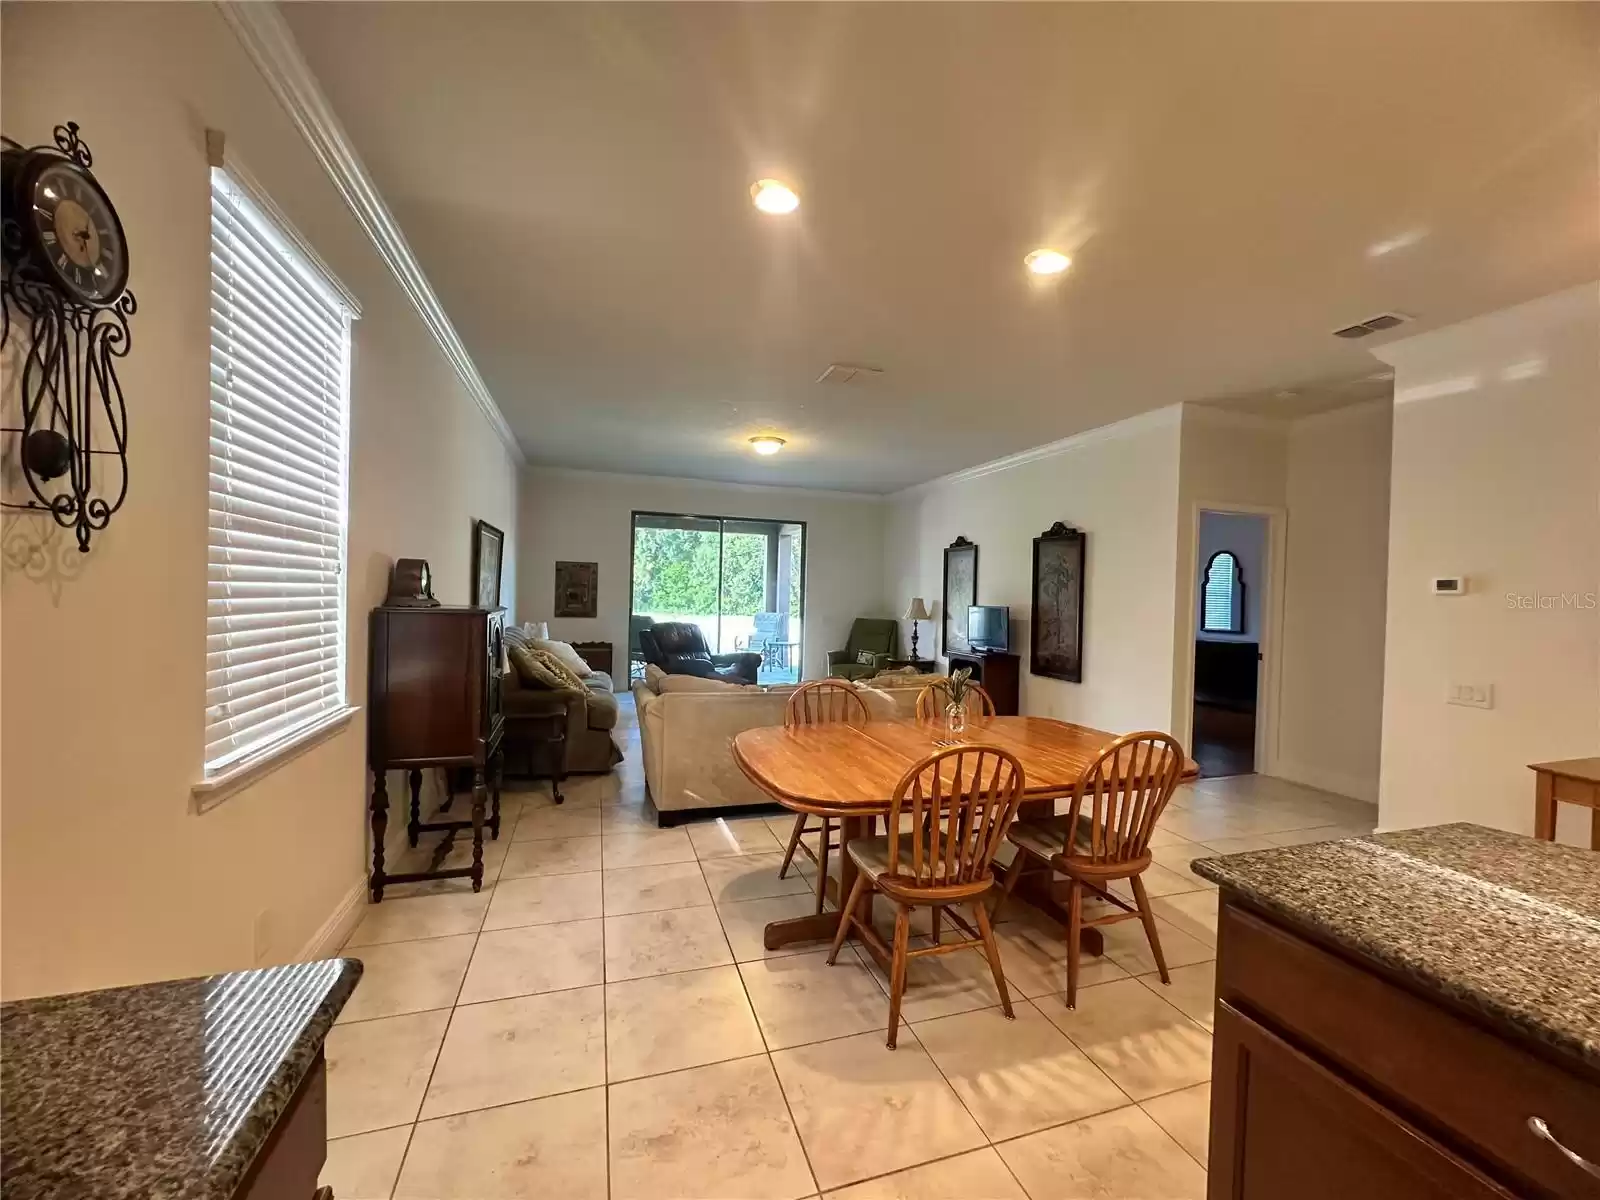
x: 918, y: 611
x: 541, y: 630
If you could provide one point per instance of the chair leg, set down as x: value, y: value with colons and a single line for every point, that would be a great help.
x: 794, y: 842
x: 846, y: 915
x: 992, y: 949
x: 897, y: 969
x: 1013, y: 873
x: 1148, y: 916
x: 822, y: 867
x: 1074, y: 928
x: 934, y: 918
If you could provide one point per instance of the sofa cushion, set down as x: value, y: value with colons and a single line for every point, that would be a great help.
x: 603, y: 710
x: 599, y: 681
x: 540, y: 668
x: 563, y: 651
x: 653, y: 675
x: 672, y: 684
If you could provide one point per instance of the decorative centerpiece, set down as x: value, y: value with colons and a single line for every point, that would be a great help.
x: 955, y: 713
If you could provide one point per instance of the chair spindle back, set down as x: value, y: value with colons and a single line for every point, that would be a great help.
x: 960, y: 801
x: 826, y: 702
x: 935, y: 698
x: 1124, y: 792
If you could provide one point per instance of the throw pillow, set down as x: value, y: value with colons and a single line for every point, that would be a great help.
x: 653, y: 675
x: 673, y: 684
x: 539, y: 668
x: 866, y: 658
x: 568, y: 657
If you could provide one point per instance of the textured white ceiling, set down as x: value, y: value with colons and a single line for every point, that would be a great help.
x: 574, y: 180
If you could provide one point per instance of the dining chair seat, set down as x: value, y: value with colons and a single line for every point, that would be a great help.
x: 871, y: 856
x: 1047, y: 839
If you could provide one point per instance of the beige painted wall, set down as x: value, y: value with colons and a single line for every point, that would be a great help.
x: 109, y: 875
x: 1495, y: 471
x: 587, y: 517
x: 1330, y: 705
x: 1119, y: 484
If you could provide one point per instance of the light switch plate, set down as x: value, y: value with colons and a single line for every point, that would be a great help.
x: 1471, y: 695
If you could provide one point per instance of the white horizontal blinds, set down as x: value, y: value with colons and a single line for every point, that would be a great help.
x: 1221, y: 576
x: 280, y: 339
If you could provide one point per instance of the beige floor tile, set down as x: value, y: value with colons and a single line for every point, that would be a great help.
x: 1162, y: 836
x: 724, y: 839
x: 1195, y: 913
x: 459, y: 855
x: 1239, y: 845
x: 629, y: 818
x: 404, y: 977
x: 1160, y: 881
x: 533, y: 959
x: 668, y: 1022
x: 745, y: 924
x: 1129, y: 948
x: 1116, y: 1154
x: 1033, y: 953
x: 378, y: 1070
x: 519, y: 1049
x: 781, y: 826
x: 654, y: 889
x: 863, y: 1109
x: 802, y: 999
x: 976, y: 1175
x: 364, y: 1167
x: 1192, y: 990
x: 656, y: 943
x: 1186, y: 1115
x: 544, y: 900
x: 552, y: 1147
x: 939, y: 985
x: 646, y: 848
x: 1146, y: 1045
x: 1016, y: 1076
x: 564, y: 822
x: 552, y: 856
x: 405, y: 920
x: 1177, y: 855
x: 752, y: 877
x: 718, y: 1132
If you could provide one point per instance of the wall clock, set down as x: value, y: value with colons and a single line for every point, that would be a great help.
x: 65, y: 286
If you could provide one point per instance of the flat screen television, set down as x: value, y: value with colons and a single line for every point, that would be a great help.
x: 989, y: 627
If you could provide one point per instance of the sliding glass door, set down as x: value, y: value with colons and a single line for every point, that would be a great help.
x: 741, y: 580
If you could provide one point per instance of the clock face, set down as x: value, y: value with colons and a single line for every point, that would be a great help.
x: 76, y: 233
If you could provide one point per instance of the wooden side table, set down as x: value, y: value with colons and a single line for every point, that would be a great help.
x: 596, y: 654
x: 1571, y: 781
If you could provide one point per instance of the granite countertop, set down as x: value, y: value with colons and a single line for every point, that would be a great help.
x: 164, y: 1091
x: 1501, y: 923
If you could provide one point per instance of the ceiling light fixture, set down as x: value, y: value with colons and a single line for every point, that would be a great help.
x: 1045, y: 261
x: 767, y: 444
x: 771, y: 196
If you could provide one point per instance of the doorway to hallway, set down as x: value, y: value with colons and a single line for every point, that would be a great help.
x: 1231, y: 595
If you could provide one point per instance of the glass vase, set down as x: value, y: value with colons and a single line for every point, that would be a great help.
x: 955, y: 718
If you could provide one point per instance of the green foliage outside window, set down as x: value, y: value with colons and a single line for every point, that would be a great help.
x: 675, y: 571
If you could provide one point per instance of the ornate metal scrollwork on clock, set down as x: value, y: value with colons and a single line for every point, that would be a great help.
x: 64, y: 285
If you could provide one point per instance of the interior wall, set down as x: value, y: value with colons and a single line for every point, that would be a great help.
x: 1330, y: 711
x: 110, y: 875
x: 1119, y: 485
x: 583, y: 516
x: 1243, y: 535
x: 1496, y: 458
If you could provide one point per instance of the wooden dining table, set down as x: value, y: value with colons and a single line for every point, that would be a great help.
x: 849, y: 773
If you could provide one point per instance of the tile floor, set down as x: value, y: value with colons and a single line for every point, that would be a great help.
x: 602, y: 1021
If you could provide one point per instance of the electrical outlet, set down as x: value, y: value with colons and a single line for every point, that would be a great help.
x: 1471, y: 695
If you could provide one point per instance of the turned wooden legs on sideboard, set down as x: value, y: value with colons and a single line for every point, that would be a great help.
x: 380, y: 826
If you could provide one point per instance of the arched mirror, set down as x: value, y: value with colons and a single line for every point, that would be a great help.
x: 1223, y: 608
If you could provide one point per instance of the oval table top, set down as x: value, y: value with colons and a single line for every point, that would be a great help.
x: 838, y: 768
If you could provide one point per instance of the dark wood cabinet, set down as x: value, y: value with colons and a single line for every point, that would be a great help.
x: 1331, y: 1077
x: 434, y: 700
x: 596, y: 654
x: 1000, y: 675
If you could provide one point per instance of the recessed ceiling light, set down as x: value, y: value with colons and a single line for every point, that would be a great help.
x: 771, y: 196
x: 1045, y: 261
x: 767, y: 444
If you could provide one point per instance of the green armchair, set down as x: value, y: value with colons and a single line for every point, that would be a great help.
x: 877, y: 635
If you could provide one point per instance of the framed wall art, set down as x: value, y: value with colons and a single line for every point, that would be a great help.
x: 1055, y: 634
x: 960, y: 593
x: 577, y: 589
x: 488, y: 552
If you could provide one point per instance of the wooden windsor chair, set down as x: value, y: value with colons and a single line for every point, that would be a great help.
x: 1104, y: 837
x: 822, y: 702
x: 935, y: 698
x: 960, y: 802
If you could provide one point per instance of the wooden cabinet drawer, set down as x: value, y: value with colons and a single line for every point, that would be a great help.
x: 1470, y: 1088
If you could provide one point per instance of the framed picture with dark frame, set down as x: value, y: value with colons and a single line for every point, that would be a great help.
x: 1055, y: 634
x: 488, y: 552
x: 577, y: 589
x: 960, y: 593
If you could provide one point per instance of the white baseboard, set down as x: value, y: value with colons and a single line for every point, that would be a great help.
x: 341, y: 923
x: 1337, y: 782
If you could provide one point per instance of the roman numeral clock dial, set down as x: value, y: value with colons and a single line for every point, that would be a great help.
x: 76, y: 231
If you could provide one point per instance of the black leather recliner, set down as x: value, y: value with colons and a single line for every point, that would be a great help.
x: 679, y: 648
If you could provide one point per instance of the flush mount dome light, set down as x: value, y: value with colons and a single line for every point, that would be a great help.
x: 1045, y: 261
x: 771, y: 196
x: 767, y: 444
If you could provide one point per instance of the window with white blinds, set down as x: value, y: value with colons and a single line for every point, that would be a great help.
x: 1224, y: 595
x: 280, y: 365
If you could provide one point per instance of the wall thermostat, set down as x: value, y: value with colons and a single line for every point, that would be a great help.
x: 1449, y: 585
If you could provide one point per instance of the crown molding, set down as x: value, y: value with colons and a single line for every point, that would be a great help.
x: 537, y: 471
x: 268, y: 41
x: 1159, y: 418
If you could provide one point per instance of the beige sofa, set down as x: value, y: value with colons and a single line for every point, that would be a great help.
x: 687, y: 740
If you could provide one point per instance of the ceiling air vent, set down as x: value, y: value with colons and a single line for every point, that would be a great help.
x: 842, y: 373
x: 1375, y: 324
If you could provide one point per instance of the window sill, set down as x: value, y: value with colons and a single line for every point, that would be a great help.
x: 210, y: 792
